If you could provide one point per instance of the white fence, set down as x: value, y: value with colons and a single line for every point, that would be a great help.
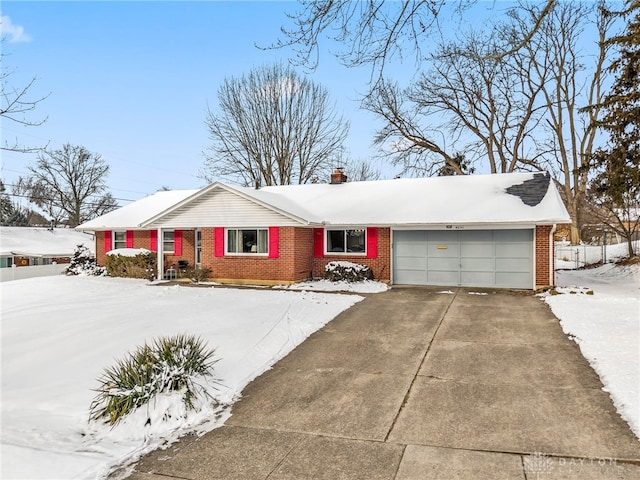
x: 20, y: 273
x: 576, y: 256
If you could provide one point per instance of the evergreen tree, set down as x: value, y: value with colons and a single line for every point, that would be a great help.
x: 6, y: 206
x: 616, y: 185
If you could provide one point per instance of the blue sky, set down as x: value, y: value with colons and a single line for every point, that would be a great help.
x: 132, y: 80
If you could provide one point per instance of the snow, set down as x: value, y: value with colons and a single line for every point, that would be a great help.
x: 356, y: 267
x: 129, y: 252
x: 40, y: 241
x: 60, y: 333
x: 399, y: 202
x: 415, y: 201
x: 132, y: 215
x: 606, y: 326
x: 576, y: 256
x: 366, y: 286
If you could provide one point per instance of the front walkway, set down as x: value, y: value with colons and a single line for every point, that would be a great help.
x: 417, y: 384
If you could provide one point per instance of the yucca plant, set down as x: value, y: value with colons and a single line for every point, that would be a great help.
x: 167, y: 364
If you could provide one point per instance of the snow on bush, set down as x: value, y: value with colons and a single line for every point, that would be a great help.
x: 347, y: 271
x: 168, y: 364
x: 83, y: 263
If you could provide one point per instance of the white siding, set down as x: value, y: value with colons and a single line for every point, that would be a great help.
x: 221, y: 208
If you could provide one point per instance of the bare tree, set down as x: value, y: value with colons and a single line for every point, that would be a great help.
x: 16, y: 104
x: 374, y: 32
x: 361, y: 170
x: 272, y: 127
x: 614, y: 187
x: 469, y: 101
x: 69, y: 185
x: 569, y: 81
x: 515, y: 112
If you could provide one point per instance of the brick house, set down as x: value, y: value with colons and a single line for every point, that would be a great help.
x: 477, y: 231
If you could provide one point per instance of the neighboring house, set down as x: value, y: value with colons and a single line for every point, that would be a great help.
x: 477, y: 231
x: 30, y: 246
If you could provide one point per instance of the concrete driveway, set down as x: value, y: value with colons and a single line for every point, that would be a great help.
x: 418, y: 384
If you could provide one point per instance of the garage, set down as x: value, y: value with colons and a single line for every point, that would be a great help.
x: 468, y: 258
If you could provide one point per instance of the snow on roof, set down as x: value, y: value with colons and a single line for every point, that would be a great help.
x: 134, y: 214
x: 472, y: 199
x: 37, y: 242
x: 510, y: 198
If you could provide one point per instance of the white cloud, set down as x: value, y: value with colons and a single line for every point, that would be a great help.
x: 15, y: 33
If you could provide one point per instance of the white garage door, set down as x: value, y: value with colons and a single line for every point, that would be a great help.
x: 468, y: 258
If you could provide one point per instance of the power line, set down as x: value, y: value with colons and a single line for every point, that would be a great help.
x: 48, y: 199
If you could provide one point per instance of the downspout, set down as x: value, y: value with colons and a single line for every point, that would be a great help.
x: 552, y: 256
x: 160, y: 258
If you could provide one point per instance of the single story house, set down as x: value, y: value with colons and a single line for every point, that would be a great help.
x: 30, y: 246
x: 477, y: 231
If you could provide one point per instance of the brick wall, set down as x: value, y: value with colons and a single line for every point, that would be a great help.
x: 381, y: 265
x: 545, y: 257
x: 101, y: 257
x: 296, y: 261
x: 293, y: 263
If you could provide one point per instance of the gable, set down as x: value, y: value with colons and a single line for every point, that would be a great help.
x: 220, y: 207
x: 134, y: 214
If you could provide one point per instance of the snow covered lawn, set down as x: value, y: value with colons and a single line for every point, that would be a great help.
x: 59, y: 333
x: 606, y: 326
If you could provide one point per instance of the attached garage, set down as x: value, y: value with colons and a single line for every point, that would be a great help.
x: 468, y: 258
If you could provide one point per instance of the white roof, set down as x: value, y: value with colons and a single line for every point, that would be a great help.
x: 468, y: 200
x: 39, y: 242
x: 472, y: 199
x: 134, y: 214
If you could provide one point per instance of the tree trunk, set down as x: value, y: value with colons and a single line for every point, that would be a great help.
x: 630, y: 245
x: 574, y: 213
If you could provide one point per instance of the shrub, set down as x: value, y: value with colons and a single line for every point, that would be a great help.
x: 347, y: 271
x: 168, y: 364
x: 83, y: 263
x: 134, y: 263
x: 198, y: 275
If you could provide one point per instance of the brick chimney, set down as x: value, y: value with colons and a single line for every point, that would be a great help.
x: 338, y: 176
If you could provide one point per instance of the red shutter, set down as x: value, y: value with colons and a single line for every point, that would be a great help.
x: 177, y: 242
x: 153, y: 240
x: 318, y: 242
x: 129, y: 239
x: 107, y: 241
x: 274, y: 242
x: 218, y: 242
x: 372, y: 242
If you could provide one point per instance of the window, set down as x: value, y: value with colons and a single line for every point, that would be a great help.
x: 168, y: 242
x: 247, y: 241
x: 346, y: 241
x: 119, y: 240
x: 6, y: 262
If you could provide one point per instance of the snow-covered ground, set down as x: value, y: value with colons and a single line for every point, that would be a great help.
x: 42, y: 241
x: 366, y: 286
x: 606, y: 326
x: 59, y: 333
